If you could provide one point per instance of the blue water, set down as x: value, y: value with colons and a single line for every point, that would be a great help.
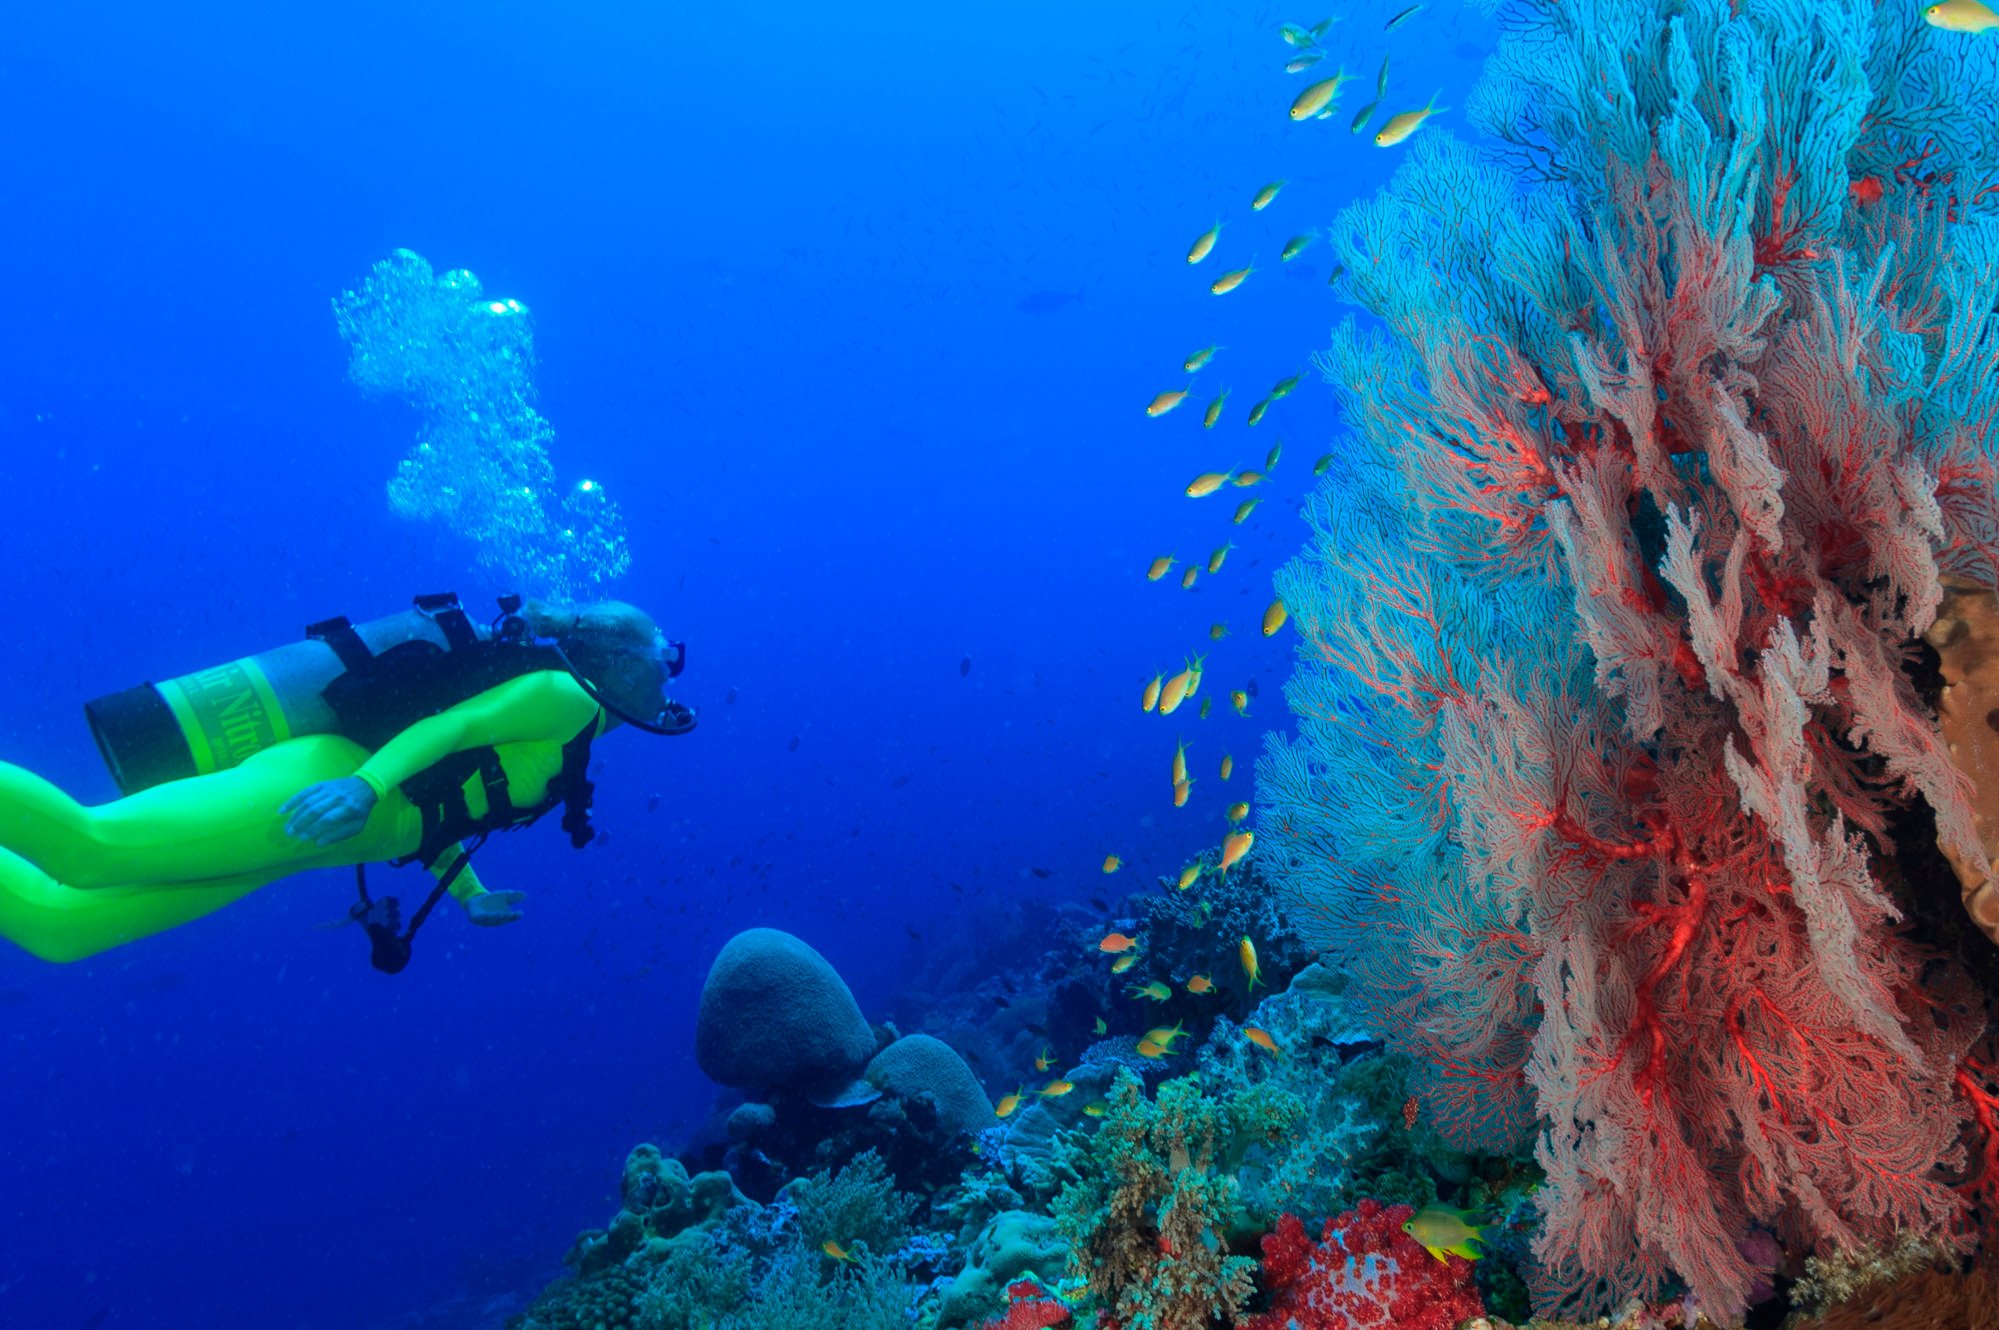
x: 855, y: 309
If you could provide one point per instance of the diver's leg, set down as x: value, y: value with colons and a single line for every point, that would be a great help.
x: 189, y: 831
x: 59, y: 923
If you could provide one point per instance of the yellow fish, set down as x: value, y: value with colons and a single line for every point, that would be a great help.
x: 1148, y: 1049
x: 1181, y: 788
x: 1112, y: 863
x: 836, y: 1251
x: 1266, y: 194
x: 1257, y: 412
x: 1201, y: 486
x: 1200, y: 358
x: 1295, y: 246
x: 1175, y: 692
x: 1101, y: 1027
x: 1246, y: 950
x: 1165, y: 1035
x: 1055, y: 1089
x: 1244, y: 509
x: 1204, y: 243
x: 1961, y: 16
x: 1240, y: 701
x: 1217, y: 631
x: 1233, y: 849
x: 1200, y: 983
x: 1214, y: 411
x: 1215, y: 559
x: 1123, y: 963
x: 1228, y: 766
x: 1261, y: 1038
x: 1284, y: 387
x: 1151, y: 698
x: 1229, y: 281
x: 1116, y: 942
x: 1180, y: 762
x: 1095, y: 1109
x: 1313, y: 103
x: 1270, y: 458
x: 1238, y: 811
x: 1323, y: 465
x: 1010, y: 1105
x: 1044, y: 1059
x: 1160, y: 567
x: 1443, y: 1231
x: 1194, y: 668
x: 1165, y: 402
x: 1244, y: 479
x: 1187, y: 578
x: 1155, y: 990
x: 1274, y: 617
x: 1189, y: 876
x: 1401, y: 125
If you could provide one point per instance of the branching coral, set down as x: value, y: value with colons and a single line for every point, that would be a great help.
x: 1601, y: 695
x: 1156, y: 1201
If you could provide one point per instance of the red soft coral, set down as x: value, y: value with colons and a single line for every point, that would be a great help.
x: 1029, y: 1307
x: 1365, y: 1273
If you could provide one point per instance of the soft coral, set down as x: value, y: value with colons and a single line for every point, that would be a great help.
x: 1365, y: 1273
x: 1029, y: 1307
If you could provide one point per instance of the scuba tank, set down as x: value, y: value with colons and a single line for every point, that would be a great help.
x: 366, y: 682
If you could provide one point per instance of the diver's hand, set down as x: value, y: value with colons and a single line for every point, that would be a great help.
x: 329, y: 812
x: 494, y: 908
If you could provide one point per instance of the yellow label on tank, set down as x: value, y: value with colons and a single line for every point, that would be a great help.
x: 226, y: 713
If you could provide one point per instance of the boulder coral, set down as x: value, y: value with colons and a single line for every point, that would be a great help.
x: 775, y: 1016
x: 920, y: 1064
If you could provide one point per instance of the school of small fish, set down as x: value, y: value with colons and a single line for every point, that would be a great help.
x: 1164, y: 693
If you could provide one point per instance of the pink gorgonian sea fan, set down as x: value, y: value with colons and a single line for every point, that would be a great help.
x: 1676, y: 404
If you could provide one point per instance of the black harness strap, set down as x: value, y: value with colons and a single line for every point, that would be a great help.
x: 338, y: 633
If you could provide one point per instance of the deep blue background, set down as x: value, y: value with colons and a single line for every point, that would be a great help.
x: 854, y: 309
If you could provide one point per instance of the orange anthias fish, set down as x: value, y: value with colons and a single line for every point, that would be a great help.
x: 1235, y: 847
x: 1151, y: 697
x: 1112, y: 863
x: 1165, y: 402
x: 1181, y: 789
x: 1274, y: 617
x: 1246, y: 953
x: 1116, y: 942
x: 1096, y: 1109
x: 1237, y: 811
x: 1180, y: 762
x: 1055, y: 1089
x: 1148, y: 1048
x: 1228, y: 764
x: 1155, y: 990
x: 1201, y: 486
x: 1175, y: 692
x: 1200, y: 983
x: 1123, y: 963
x: 1167, y: 1034
x: 1189, y: 876
x: 1043, y: 1060
x: 1010, y: 1105
x: 1159, y: 568
x: 836, y: 1251
x: 1261, y: 1038
x: 1187, y: 578
x: 1244, y: 509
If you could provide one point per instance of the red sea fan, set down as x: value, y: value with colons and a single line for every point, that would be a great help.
x: 1365, y: 1274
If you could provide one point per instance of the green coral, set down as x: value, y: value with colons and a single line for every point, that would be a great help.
x: 795, y: 1289
x: 1156, y: 1205
x: 1015, y: 1243
x: 856, y: 1206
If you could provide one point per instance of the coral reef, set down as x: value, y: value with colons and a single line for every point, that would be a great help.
x: 856, y: 1206
x: 1366, y: 1273
x: 1966, y: 637
x: 775, y: 1016
x: 1604, y: 624
x: 660, y: 1202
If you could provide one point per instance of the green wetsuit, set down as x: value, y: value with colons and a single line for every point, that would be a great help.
x: 75, y: 881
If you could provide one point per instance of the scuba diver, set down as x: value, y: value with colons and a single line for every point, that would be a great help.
x: 407, y: 739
